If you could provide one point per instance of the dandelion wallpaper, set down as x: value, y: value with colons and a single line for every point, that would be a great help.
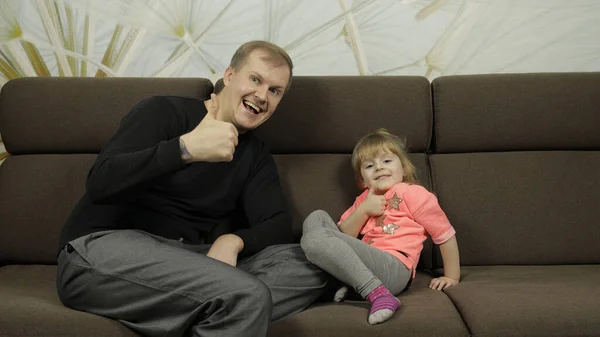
x: 196, y: 38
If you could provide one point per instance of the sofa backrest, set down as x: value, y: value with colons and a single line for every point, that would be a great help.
x: 516, y: 166
x: 514, y: 159
x: 53, y: 128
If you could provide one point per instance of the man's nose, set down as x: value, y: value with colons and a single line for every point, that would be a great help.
x: 261, y: 93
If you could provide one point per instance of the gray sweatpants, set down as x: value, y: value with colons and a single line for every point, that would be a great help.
x: 161, y: 287
x: 349, y: 259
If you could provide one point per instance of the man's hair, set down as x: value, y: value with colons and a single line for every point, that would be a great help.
x: 381, y: 140
x: 276, y: 55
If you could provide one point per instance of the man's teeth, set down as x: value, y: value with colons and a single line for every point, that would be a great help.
x: 253, y: 106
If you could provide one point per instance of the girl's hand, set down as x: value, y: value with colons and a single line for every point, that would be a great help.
x: 374, y: 205
x: 442, y: 283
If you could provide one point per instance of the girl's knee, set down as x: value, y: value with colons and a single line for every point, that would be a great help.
x: 314, y: 221
x: 319, y: 216
x: 310, y: 245
x: 306, y: 243
x: 314, y: 245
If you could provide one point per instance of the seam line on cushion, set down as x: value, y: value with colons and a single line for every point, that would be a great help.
x: 436, y: 107
x: 461, y: 316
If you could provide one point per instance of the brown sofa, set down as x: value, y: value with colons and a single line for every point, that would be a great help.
x: 513, y: 159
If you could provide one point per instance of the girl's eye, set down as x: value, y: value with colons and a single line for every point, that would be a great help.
x: 368, y: 165
x: 387, y: 161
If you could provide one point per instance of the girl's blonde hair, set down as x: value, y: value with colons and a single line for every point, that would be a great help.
x: 381, y: 140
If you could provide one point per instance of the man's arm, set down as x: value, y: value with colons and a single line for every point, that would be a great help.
x: 265, y: 207
x: 150, y: 143
x: 144, y: 147
x: 226, y: 249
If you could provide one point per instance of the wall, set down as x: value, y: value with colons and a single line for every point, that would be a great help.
x: 196, y: 38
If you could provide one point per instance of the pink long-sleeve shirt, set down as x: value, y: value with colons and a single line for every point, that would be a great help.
x: 411, y: 214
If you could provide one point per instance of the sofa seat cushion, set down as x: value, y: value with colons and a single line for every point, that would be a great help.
x: 561, y: 300
x: 424, y: 312
x: 30, y: 306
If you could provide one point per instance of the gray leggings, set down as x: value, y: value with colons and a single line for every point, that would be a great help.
x: 349, y: 259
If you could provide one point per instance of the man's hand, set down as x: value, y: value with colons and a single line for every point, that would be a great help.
x: 442, y: 283
x: 212, y: 140
x: 226, y: 249
x: 374, y: 205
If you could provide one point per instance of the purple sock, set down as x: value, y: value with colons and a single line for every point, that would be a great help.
x: 383, y: 305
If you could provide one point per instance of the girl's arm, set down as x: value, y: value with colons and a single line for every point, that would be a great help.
x: 450, y: 256
x: 355, y: 222
x: 373, y: 205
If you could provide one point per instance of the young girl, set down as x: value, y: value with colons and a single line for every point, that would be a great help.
x: 376, y: 244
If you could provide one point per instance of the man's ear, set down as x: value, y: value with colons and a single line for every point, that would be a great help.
x: 227, y: 75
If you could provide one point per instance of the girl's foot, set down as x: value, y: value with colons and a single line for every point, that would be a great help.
x: 383, y: 305
x: 340, y: 294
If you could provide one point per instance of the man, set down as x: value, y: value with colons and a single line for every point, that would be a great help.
x: 177, y: 170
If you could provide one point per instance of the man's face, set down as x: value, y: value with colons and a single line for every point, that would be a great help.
x: 253, y: 91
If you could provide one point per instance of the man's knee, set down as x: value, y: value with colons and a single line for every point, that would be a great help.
x: 249, y: 291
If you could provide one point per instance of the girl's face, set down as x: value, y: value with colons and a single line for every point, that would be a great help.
x: 382, y: 172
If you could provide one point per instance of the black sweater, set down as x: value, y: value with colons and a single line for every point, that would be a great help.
x: 139, y: 181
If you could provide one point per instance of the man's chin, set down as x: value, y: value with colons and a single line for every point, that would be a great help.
x: 245, y: 126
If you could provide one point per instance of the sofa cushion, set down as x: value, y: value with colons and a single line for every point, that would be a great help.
x: 542, y: 301
x: 424, y: 312
x: 329, y: 114
x: 77, y: 115
x: 30, y: 307
x: 522, y: 207
x: 37, y: 194
x: 505, y: 112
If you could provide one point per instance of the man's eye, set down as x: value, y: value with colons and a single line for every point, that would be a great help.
x: 275, y: 91
x: 255, y: 79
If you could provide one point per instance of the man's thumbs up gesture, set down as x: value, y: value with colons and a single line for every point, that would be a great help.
x: 212, y: 140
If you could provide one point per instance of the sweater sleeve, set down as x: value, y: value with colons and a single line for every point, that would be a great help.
x: 265, y: 207
x: 145, y: 146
